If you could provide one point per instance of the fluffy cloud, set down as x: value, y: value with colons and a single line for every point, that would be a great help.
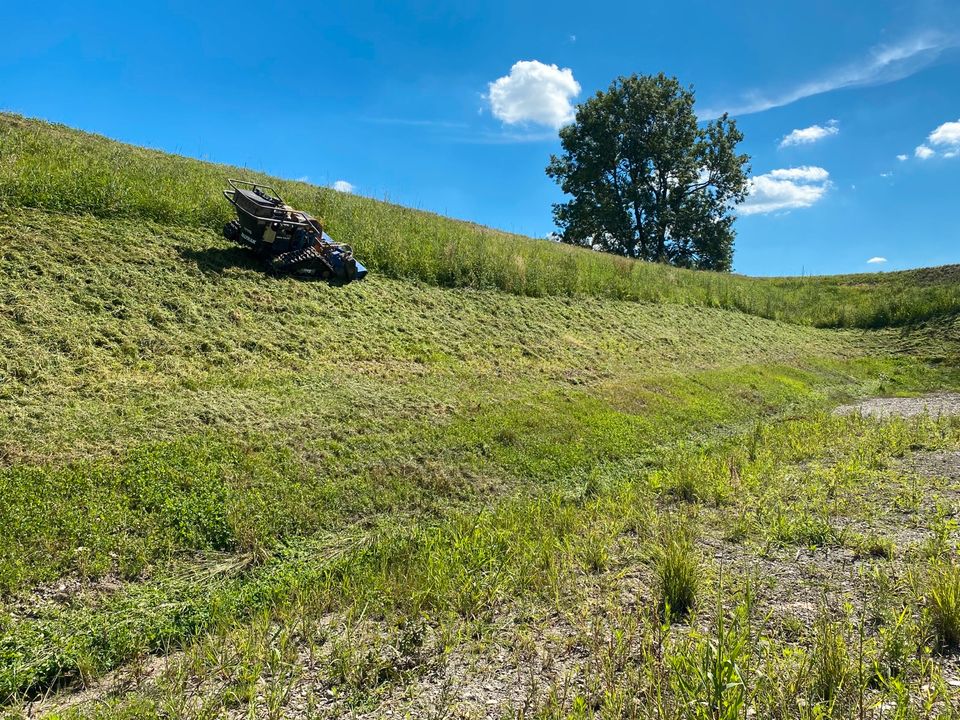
x: 343, y: 186
x: 877, y: 260
x: 945, y: 138
x: 534, y: 93
x: 902, y: 157
x: 786, y: 189
x: 808, y: 135
x: 947, y: 134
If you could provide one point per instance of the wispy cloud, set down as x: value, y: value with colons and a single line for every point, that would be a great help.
x: 417, y: 122
x: 876, y: 260
x: 884, y: 64
x: 509, y: 138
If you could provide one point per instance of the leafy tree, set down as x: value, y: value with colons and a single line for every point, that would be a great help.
x: 646, y: 180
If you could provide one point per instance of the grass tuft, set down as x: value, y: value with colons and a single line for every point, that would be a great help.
x: 678, y: 570
x: 942, y: 594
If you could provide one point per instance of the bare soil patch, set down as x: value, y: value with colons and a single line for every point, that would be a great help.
x: 936, y: 464
x: 936, y: 405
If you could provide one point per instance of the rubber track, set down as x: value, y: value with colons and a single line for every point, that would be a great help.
x: 288, y: 261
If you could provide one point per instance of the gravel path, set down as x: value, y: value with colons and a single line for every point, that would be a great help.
x: 935, y: 405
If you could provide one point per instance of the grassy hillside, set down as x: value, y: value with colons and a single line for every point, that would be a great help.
x: 314, y: 499
x: 55, y: 168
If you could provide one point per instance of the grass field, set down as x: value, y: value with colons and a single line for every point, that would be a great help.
x: 56, y: 168
x: 498, y: 478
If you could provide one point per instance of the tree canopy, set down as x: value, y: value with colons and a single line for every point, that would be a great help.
x: 647, y: 180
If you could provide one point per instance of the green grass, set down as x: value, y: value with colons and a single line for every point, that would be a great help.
x: 284, y: 481
x: 942, y: 593
x: 525, y: 559
x: 55, y: 168
x: 678, y: 570
x: 261, y: 525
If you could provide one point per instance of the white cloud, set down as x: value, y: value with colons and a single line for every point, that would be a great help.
x: 901, y: 157
x: 886, y: 174
x: 786, y: 189
x: 534, y: 92
x: 303, y: 178
x: 343, y: 186
x: 877, y: 260
x: 945, y: 138
x: 808, y: 135
x: 884, y: 64
x: 804, y: 173
x: 947, y: 134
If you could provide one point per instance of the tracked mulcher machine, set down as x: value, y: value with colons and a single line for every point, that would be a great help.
x: 290, y: 241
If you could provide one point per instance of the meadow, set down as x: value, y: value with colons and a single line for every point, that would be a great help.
x: 499, y: 478
x: 56, y: 168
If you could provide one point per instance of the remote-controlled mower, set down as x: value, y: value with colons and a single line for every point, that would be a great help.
x: 290, y: 241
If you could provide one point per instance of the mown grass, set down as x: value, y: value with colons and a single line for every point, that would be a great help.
x: 118, y: 329
x: 55, y: 168
x: 308, y: 489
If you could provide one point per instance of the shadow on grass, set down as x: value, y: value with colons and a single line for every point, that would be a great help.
x: 215, y: 261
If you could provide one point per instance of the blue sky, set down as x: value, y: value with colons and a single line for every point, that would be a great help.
x: 453, y: 107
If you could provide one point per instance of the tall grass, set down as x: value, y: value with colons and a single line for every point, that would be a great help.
x: 56, y: 168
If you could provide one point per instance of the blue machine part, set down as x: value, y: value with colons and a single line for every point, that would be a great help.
x: 344, y: 265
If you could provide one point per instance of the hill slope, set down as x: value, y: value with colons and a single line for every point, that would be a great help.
x: 187, y: 443
x: 55, y: 168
